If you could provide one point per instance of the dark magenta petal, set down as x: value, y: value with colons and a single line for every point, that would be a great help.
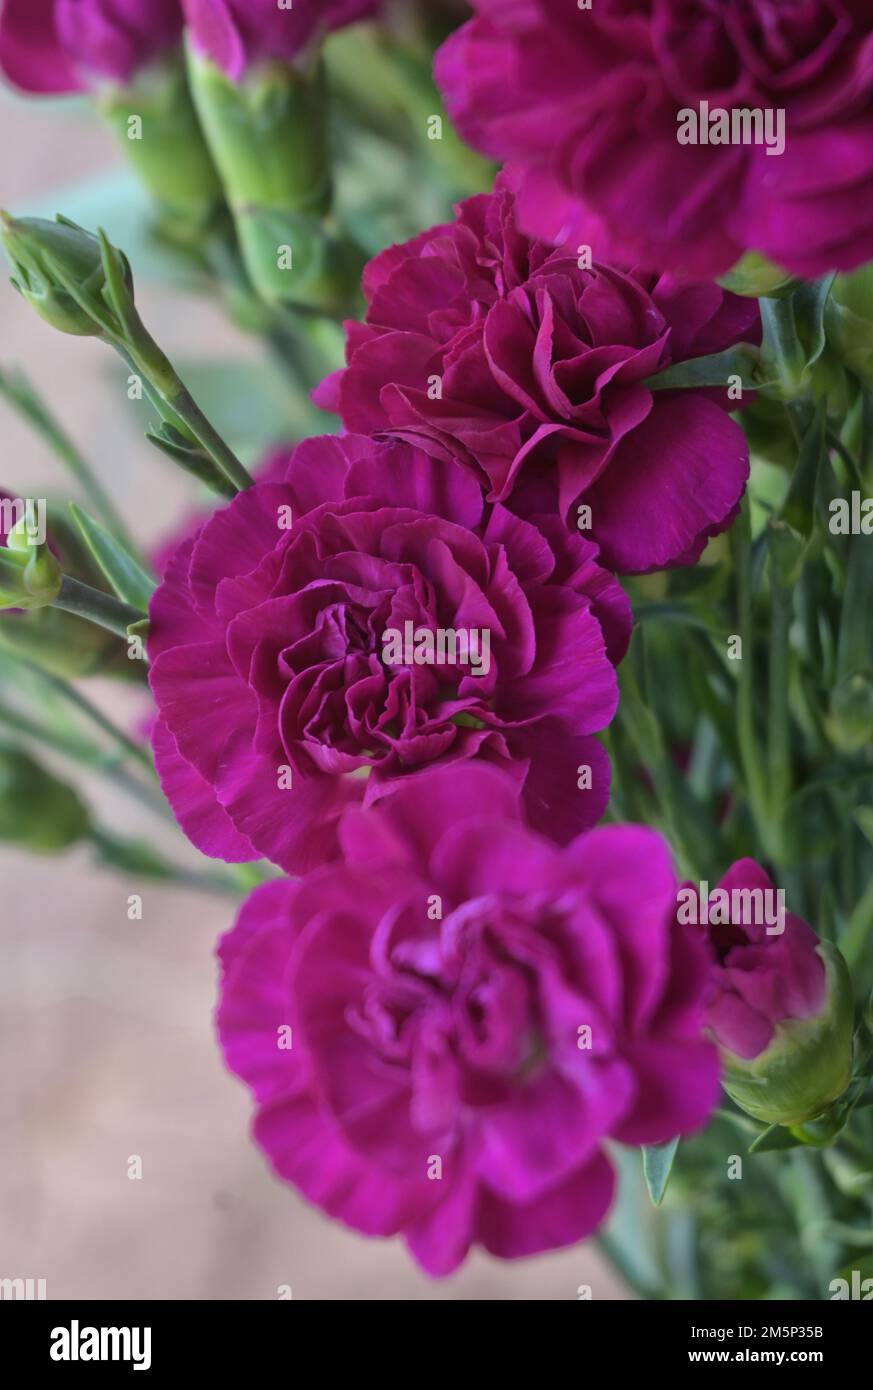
x: 529, y: 366
x: 31, y: 54
x: 239, y: 33
x: 584, y: 105
x: 195, y: 804
x: 475, y: 1012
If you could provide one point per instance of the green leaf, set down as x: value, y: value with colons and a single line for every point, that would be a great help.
x: 129, y: 581
x: 775, y: 1137
x: 798, y: 508
x: 742, y: 361
x: 657, y: 1166
x: 810, y: 302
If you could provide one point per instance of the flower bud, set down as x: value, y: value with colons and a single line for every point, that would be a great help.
x: 30, y: 576
x: 241, y: 34
x: 71, y: 45
x: 268, y: 136
x: 37, y: 810
x: 156, y: 125
x: 51, y: 258
x: 808, y: 1064
x: 781, y: 1009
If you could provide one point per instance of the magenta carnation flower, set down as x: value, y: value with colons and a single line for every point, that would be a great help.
x: 67, y: 45
x: 441, y: 1030
x: 501, y: 352
x: 586, y: 104
x: 397, y: 622
x: 238, y: 33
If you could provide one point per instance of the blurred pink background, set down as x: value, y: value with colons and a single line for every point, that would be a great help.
x: 106, y: 1024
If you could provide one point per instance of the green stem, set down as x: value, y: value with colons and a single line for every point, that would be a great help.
x: 854, y: 646
x: 867, y: 436
x: 750, y: 753
x: 129, y: 857
x: 778, y: 728
x: 86, y: 755
x: 206, y: 435
x: 67, y: 692
x: 103, y: 609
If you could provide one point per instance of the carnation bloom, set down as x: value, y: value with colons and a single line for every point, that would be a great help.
x: 585, y: 104
x: 239, y: 33
x: 281, y: 700
x: 781, y: 1002
x: 68, y: 45
x: 498, y: 351
x: 441, y: 1030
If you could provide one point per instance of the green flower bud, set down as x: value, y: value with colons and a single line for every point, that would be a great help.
x: 269, y: 138
x: 754, y: 276
x: 156, y: 124
x: 59, y: 271
x: 37, y: 810
x: 807, y: 1065
x: 30, y: 576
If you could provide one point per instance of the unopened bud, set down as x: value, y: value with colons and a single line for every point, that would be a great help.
x: 808, y: 1063
x: 30, y: 576
x: 58, y: 268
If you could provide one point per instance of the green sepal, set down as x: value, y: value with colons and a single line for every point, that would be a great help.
x: 170, y: 156
x: 658, y: 1162
x: 808, y: 1064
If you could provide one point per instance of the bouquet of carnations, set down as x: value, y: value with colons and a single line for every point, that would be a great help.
x: 523, y: 693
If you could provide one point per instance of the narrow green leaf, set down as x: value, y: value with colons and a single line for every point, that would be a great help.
x: 798, y: 509
x: 129, y: 581
x: 657, y: 1166
x: 714, y: 370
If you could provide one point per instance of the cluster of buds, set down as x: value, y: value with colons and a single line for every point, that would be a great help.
x: 218, y: 104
